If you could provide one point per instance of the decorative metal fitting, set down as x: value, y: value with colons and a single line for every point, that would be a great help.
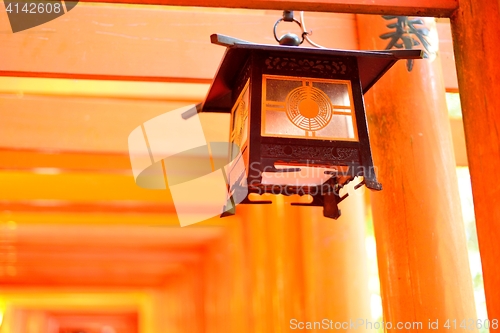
x: 289, y: 39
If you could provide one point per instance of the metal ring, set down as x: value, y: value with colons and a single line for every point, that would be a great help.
x: 276, y: 25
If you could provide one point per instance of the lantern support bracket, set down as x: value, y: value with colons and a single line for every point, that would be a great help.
x: 256, y: 202
x: 359, y: 185
x: 274, y: 169
x: 226, y: 41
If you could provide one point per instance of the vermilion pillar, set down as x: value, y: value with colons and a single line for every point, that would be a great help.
x: 335, y: 265
x: 177, y: 306
x: 476, y: 42
x: 302, y: 267
x: 421, y: 246
x: 257, y: 267
x: 275, y: 265
x: 225, y: 288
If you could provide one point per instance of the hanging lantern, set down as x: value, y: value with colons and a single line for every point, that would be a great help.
x: 298, y: 117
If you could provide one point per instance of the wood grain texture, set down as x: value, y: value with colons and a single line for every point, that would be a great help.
x: 476, y: 53
x: 380, y: 7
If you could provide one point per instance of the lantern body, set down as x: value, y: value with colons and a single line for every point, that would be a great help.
x: 298, y: 117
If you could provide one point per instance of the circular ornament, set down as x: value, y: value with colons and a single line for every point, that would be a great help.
x: 308, y: 108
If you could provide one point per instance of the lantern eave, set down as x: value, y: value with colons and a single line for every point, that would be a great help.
x: 372, y: 66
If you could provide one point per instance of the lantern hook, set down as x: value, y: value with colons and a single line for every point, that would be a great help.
x: 289, y: 38
x: 292, y: 39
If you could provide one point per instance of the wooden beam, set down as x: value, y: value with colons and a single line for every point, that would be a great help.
x: 442, y: 8
x: 93, y: 125
x: 76, y: 187
x: 97, y: 63
x: 87, y: 198
x: 93, y: 219
x: 95, y: 276
x: 75, y: 254
x: 99, y: 207
x: 68, y: 321
x: 116, y: 88
x: 95, y: 129
x: 80, y: 300
x: 146, y: 43
x: 43, y: 161
x: 124, y: 236
x: 102, y: 77
x: 119, y: 255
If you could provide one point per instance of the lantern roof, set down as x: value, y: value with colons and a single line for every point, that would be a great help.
x: 371, y: 65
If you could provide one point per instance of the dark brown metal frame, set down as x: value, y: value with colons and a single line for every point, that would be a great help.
x: 245, y: 60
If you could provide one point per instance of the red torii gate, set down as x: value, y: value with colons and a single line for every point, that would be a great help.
x: 476, y: 43
x: 476, y: 36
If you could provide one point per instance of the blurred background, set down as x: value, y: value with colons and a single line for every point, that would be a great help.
x: 85, y: 250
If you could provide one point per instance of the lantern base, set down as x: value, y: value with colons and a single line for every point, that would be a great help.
x: 329, y: 201
x: 326, y: 195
